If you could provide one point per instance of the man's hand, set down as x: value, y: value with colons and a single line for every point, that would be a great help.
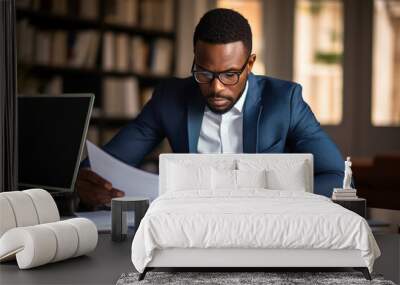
x: 94, y: 190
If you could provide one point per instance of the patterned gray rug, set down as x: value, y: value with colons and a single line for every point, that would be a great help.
x: 242, y: 278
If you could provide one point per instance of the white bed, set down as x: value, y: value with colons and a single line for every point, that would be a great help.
x: 201, y: 219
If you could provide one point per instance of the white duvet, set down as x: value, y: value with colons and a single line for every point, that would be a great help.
x: 251, y: 218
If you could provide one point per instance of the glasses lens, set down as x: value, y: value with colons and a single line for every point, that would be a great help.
x: 229, y: 78
x: 203, y: 77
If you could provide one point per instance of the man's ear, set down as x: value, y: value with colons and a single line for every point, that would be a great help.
x: 250, y: 63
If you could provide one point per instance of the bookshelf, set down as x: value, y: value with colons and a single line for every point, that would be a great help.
x: 117, y: 49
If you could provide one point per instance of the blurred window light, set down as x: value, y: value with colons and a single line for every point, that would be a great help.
x: 386, y: 64
x: 252, y: 11
x: 318, y: 51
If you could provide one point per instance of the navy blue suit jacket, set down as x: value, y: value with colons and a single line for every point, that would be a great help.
x: 275, y: 120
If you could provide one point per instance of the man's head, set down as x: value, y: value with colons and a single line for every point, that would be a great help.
x: 222, y: 45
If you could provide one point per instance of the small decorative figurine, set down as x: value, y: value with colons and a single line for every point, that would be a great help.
x: 347, y: 174
x: 346, y: 192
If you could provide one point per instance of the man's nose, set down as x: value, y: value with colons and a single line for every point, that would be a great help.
x: 216, y: 85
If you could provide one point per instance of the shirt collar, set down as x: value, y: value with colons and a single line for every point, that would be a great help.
x: 239, y: 104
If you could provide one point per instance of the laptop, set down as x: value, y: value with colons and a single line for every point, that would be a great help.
x: 51, y: 136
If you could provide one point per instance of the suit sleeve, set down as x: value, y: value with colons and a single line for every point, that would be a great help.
x: 307, y: 136
x: 140, y: 136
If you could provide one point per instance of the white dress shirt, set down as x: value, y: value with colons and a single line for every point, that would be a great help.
x: 223, y: 133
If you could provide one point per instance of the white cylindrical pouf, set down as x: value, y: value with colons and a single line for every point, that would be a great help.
x: 40, y: 244
x: 34, y: 246
x: 87, y: 235
x: 23, y: 208
x: 7, y: 218
x: 45, y: 205
x: 66, y: 237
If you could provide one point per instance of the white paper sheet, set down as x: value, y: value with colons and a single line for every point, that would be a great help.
x: 134, y: 182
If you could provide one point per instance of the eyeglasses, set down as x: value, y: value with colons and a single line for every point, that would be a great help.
x: 226, y: 77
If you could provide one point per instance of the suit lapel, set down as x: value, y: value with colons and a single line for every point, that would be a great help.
x: 195, y: 113
x: 251, y: 114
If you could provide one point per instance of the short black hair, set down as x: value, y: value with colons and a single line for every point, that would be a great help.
x: 222, y: 26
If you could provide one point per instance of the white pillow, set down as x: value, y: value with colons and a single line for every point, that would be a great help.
x: 225, y: 179
x: 181, y: 177
x: 293, y: 179
x: 251, y: 178
x: 280, y: 174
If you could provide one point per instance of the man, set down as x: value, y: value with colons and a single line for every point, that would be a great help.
x: 222, y: 108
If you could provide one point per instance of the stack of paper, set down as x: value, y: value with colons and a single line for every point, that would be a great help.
x: 134, y: 182
x: 344, y: 194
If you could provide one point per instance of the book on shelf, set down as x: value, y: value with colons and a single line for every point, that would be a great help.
x: 89, y: 9
x: 60, y: 7
x: 34, y: 86
x: 43, y: 47
x: 59, y: 53
x: 122, y: 52
x: 122, y: 12
x: 161, y: 58
x: 85, y: 9
x: 79, y: 49
x: 84, y: 49
x: 37, y: 5
x: 61, y: 44
x: 138, y: 55
x: 93, y: 50
x: 25, y: 41
x: 57, y: 47
x: 120, y: 97
x: 157, y: 15
x: 108, y: 56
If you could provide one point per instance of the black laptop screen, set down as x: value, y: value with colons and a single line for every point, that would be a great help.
x: 50, y: 132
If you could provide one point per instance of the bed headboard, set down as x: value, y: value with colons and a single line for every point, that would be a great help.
x: 237, y: 159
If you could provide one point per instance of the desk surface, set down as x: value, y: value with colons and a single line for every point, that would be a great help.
x: 111, y: 259
x: 102, y: 266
